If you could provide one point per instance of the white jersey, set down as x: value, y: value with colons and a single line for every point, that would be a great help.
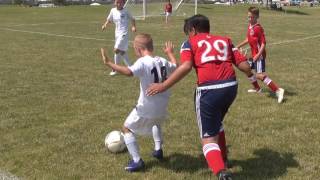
x: 121, y: 19
x: 152, y: 70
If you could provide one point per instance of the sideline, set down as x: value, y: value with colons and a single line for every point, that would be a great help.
x: 108, y: 40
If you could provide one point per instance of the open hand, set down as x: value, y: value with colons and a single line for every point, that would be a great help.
x: 155, y: 88
x: 168, y: 48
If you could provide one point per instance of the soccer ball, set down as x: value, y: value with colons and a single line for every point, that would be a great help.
x: 114, y: 142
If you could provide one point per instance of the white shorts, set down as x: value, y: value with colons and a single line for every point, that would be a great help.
x: 122, y: 42
x: 140, y: 125
x: 168, y: 14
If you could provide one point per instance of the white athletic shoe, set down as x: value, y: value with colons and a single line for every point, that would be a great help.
x: 280, y: 94
x: 254, y: 90
x: 112, y: 73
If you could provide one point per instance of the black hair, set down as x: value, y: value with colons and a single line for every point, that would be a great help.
x: 200, y: 23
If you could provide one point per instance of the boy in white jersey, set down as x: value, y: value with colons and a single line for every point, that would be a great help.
x: 150, y: 111
x: 120, y: 17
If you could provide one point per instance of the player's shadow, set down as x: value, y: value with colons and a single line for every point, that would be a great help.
x: 180, y: 163
x: 267, y: 164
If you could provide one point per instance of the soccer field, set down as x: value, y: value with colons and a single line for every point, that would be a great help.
x: 57, y: 100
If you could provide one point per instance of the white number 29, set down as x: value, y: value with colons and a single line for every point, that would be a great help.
x: 218, y: 45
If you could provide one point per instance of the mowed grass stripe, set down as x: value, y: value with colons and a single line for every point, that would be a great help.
x: 57, y: 101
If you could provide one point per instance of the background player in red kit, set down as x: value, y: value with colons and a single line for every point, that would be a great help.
x: 257, y: 42
x: 213, y: 58
x: 168, y: 10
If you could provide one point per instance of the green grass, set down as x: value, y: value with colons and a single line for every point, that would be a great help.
x: 57, y: 101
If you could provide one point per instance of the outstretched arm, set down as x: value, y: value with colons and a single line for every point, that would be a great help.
x: 175, y: 77
x: 121, y: 69
x: 168, y: 49
x: 245, y: 67
x: 104, y: 26
x: 261, y: 49
x: 244, y: 42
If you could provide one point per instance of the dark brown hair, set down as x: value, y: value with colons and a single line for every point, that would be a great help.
x: 254, y: 11
x: 200, y: 23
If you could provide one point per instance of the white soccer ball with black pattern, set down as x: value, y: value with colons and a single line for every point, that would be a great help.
x: 114, y: 142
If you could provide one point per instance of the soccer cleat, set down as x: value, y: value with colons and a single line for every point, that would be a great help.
x: 254, y: 90
x: 134, y: 166
x: 223, y: 175
x: 280, y: 94
x: 158, y: 154
x: 251, y: 63
x: 112, y: 73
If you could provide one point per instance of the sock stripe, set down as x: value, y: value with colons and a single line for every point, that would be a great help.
x: 267, y: 80
x: 210, y: 147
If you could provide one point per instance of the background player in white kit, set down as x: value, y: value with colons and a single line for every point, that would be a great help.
x: 150, y: 111
x: 120, y: 17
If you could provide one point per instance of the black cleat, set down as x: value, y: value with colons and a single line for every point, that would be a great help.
x: 224, y: 175
x: 158, y: 154
x: 134, y: 166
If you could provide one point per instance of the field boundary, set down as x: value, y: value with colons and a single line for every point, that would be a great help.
x: 295, y: 40
x: 108, y: 40
x: 56, y: 35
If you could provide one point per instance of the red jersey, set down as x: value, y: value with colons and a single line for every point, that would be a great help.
x: 168, y: 8
x: 212, y: 56
x: 256, y: 38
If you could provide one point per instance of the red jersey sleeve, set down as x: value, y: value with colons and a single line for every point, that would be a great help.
x: 260, y: 33
x: 186, y: 52
x: 237, y: 56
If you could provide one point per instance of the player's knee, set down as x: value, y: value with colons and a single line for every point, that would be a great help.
x: 260, y: 76
x: 208, y: 140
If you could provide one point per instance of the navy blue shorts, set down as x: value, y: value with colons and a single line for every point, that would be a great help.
x: 259, y: 66
x: 212, y: 103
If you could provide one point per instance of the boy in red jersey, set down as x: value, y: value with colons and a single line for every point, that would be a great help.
x: 257, y: 42
x: 168, y: 10
x: 213, y: 58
